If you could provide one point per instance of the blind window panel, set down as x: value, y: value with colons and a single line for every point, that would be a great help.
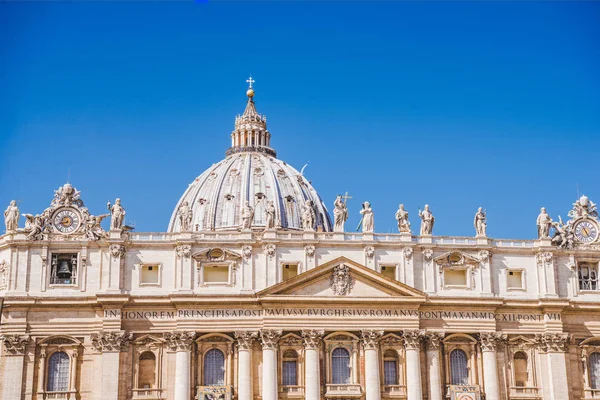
x: 58, y: 372
x: 340, y: 366
x: 214, y: 368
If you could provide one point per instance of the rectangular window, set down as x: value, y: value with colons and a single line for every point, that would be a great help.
x: 389, y: 271
x: 63, y: 269
x: 588, y: 276
x: 289, y: 271
x: 215, y: 274
x: 390, y: 371
x: 290, y: 373
x: 150, y: 275
x: 455, y: 277
x: 514, y: 280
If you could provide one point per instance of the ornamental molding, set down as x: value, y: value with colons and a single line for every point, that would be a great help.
x: 412, y: 338
x: 117, y: 250
x: 290, y: 340
x: 15, y: 344
x: 427, y: 254
x: 390, y: 340
x: 370, y: 251
x: 183, y: 251
x: 489, y: 341
x: 433, y: 340
x: 247, y: 252
x: 179, y: 340
x: 485, y: 255
x: 341, y: 281
x: 370, y: 338
x: 456, y: 258
x: 269, y: 338
x: 245, y: 339
x: 4, y: 275
x: 544, y: 258
x: 214, y: 254
x: 310, y: 251
x: 269, y: 249
x: 408, y: 252
x: 109, y: 341
x: 312, y: 338
x: 553, y: 342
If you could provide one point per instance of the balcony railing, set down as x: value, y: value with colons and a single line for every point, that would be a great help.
x: 214, y: 392
x: 394, y: 390
x: 524, y: 392
x: 345, y: 390
x: 591, y: 393
x: 292, y: 391
x: 147, y: 394
x: 67, y: 395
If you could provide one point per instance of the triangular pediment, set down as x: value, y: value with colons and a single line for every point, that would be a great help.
x: 342, y: 278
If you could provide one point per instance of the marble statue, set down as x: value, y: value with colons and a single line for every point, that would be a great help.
x: 308, y: 216
x: 66, y: 195
x: 583, y: 207
x: 480, y: 223
x: 185, y: 217
x: 563, y: 234
x: 427, y: 220
x: 247, y: 215
x: 544, y: 222
x: 402, y: 218
x: 368, y: 223
x: 34, y: 224
x: 270, y: 215
x: 11, y: 217
x: 117, y: 213
x: 340, y: 214
x: 93, y: 227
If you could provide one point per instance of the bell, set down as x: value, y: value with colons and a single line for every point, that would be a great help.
x: 64, y: 269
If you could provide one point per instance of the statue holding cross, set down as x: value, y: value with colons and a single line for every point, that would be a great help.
x: 340, y: 212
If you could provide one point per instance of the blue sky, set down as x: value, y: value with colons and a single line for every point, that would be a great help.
x: 455, y: 104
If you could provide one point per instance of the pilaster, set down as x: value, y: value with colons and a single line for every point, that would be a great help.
x: 552, y: 347
x: 110, y: 344
x: 15, y: 347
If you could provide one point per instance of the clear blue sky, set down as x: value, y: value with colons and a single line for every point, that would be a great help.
x: 455, y: 104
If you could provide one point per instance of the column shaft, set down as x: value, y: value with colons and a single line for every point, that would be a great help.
x: 372, y: 382
x: 434, y: 372
x: 490, y: 375
x: 269, y: 374
x: 182, y: 375
x: 313, y: 378
x: 413, y: 374
x: 244, y: 374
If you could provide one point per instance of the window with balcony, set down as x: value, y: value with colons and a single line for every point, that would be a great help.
x: 588, y: 276
x: 340, y: 366
x: 459, y: 369
x: 290, y: 368
x: 390, y: 368
x: 214, y: 368
x: 63, y: 269
x: 58, y: 372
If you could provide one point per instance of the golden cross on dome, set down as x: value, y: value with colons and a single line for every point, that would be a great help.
x: 250, y: 82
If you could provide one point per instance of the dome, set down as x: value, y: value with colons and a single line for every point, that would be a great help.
x: 249, y: 173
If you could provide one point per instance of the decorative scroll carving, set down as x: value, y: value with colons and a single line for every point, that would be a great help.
x: 183, y: 251
x: 247, y: 251
x: 312, y: 338
x: 341, y: 281
x: 490, y: 340
x: 370, y: 251
x: 290, y: 340
x: 370, y: 338
x: 413, y: 338
x: 117, y: 250
x: 433, y: 340
x: 111, y: 340
x: 427, y: 254
x: 15, y: 344
x: 269, y: 249
x: 485, y: 255
x: 408, y: 252
x: 553, y: 342
x: 544, y: 258
x: 310, y: 251
x: 390, y: 341
x: 3, y: 275
x: 245, y: 339
x: 269, y: 338
x: 179, y: 341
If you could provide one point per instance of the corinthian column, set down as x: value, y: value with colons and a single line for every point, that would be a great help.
x: 489, y: 341
x: 245, y: 339
x: 181, y: 343
x: 412, y: 346
x: 370, y: 341
x: 269, y: 340
x: 15, y: 347
x: 312, y: 384
x: 434, y: 342
x: 111, y: 344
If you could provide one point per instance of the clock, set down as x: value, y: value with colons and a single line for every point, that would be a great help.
x: 586, y: 231
x: 66, y: 220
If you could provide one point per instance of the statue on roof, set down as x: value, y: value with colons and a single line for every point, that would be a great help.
x: 117, y: 213
x: 93, y: 228
x: 544, y: 222
x: 368, y: 222
x: 563, y: 234
x: 11, y: 217
x: 340, y: 214
x: 427, y: 220
x: 480, y: 223
x: 185, y: 217
x: 402, y: 218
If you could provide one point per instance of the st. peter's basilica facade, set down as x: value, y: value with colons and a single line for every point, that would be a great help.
x: 257, y: 292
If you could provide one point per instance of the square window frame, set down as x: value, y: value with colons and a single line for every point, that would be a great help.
x: 282, y: 264
x: 523, y: 287
x: 467, y: 270
x: 230, y: 272
x: 385, y: 265
x: 140, y: 268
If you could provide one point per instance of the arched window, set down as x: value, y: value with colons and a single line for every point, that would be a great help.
x: 214, y: 368
x: 58, y: 372
x: 520, y: 367
x: 147, y: 370
x: 340, y: 366
x: 595, y: 370
x: 459, y: 371
x: 290, y: 368
x: 390, y: 368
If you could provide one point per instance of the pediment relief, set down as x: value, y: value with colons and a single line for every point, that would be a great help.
x: 342, y: 278
x: 456, y: 258
x: 521, y: 341
x: 60, y: 340
x: 148, y: 340
x: 290, y: 340
x: 215, y: 254
x: 459, y: 338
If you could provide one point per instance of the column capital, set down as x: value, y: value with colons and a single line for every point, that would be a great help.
x: 15, y: 344
x: 312, y: 338
x: 179, y: 340
x: 270, y: 338
x: 245, y: 339
x: 553, y: 342
x: 370, y: 338
x: 412, y: 338
x: 490, y: 340
x: 107, y: 341
x: 433, y: 340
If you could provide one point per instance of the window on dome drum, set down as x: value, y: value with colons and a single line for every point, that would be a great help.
x: 588, y: 276
x: 459, y: 370
x: 390, y: 368
x: 214, y: 368
x: 289, y: 368
x: 63, y: 269
x: 520, y: 368
x: 455, y: 277
x: 289, y: 271
x: 340, y: 366
x: 58, y: 372
x: 514, y: 280
x: 150, y: 274
x: 389, y: 271
x: 147, y: 370
x: 216, y: 274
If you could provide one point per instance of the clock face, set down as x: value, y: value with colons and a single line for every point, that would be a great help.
x: 586, y: 232
x: 66, y: 220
